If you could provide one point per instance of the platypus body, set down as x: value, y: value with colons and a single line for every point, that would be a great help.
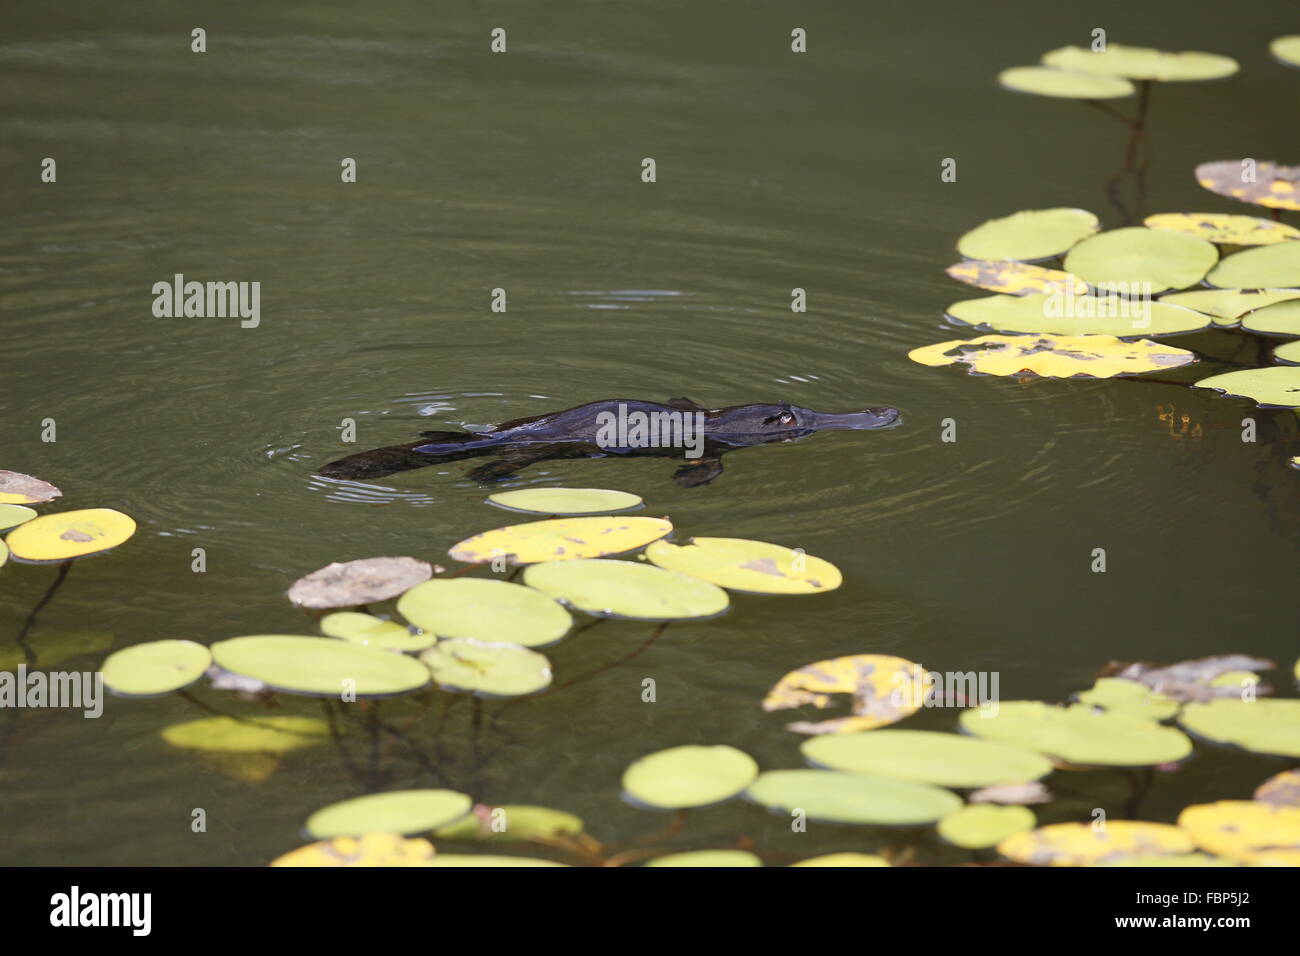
x: 678, y: 428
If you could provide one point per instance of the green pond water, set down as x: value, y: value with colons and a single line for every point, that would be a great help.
x: 522, y: 171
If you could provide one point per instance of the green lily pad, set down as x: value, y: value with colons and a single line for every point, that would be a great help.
x: 485, y: 610
x: 270, y: 735
x: 487, y: 859
x: 707, y: 858
x: 319, y: 666
x: 566, y: 501
x: 924, y: 756
x: 1130, y: 697
x: 1077, y: 315
x: 1280, y: 318
x: 1275, y: 387
x: 1264, y: 726
x: 625, y: 589
x: 1287, y: 353
x: 833, y: 796
x: 1286, y: 50
x: 1143, y: 63
x: 403, y: 812
x: 689, y: 776
x: 1229, y: 305
x: 844, y: 859
x: 984, y: 824
x: 1068, y: 84
x: 1130, y: 258
x: 1078, y: 734
x: 739, y: 564
x: 1263, y: 267
x: 487, y: 669
x: 4, y: 552
x: 370, y: 631
x: 561, y: 539
x: 1028, y: 235
x: 513, y: 823
x: 155, y: 668
x: 13, y: 515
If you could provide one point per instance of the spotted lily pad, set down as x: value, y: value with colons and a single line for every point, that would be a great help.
x: 370, y: 849
x: 1136, y: 256
x: 71, y: 534
x: 271, y: 735
x: 1246, y: 830
x: 844, y: 859
x: 626, y: 589
x: 487, y: 859
x: 155, y: 668
x: 487, y: 669
x: 1014, y: 278
x: 355, y: 583
x: 485, y: 610
x: 743, y: 565
x: 1261, y: 726
x: 924, y: 756
x: 689, y: 776
x: 1129, y: 697
x: 710, y: 858
x: 1082, y: 844
x: 1275, y: 387
x: 1054, y: 356
x: 566, y: 501
x: 19, y: 489
x: 1066, y: 84
x: 319, y: 666
x: 984, y: 825
x: 1263, y: 267
x: 1028, y: 235
x: 370, y: 631
x: 1172, y: 859
x: 833, y: 796
x: 1197, y: 679
x: 1078, y: 734
x: 1261, y: 183
x: 14, y: 515
x: 403, y: 812
x: 561, y: 539
x: 1224, y: 228
x: 1077, y: 315
x: 1280, y: 318
x: 512, y: 823
x: 1280, y: 790
x: 1229, y: 305
x: 1143, y: 63
x: 885, y: 689
x: 1287, y: 50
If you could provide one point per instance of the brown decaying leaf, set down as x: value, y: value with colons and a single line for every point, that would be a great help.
x: 1190, y: 680
x: 354, y: 583
x: 33, y: 490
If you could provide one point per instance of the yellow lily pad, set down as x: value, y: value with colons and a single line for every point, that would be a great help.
x: 885, y: 689
x: 19, y: 489
x: 1014, y: 278
x: 626, y: 589
x: 710, y: 858
x: 844, y: 859
x: 1066, y: 84
x: 743, y: 565
x: 370, y: 849
x: 1028, y: 235
x: 1281, y: 789
x: 486, y: 610
x: 1286, y: 49
x: 1245, y: 830
x: 981, y: 825
x: 1143, y: 63
x: 1173, y: 859
x: 1054, y: 356
x: 370, y: 631
x: 1080, y: 844
x: 13, y: 515
x: 1224, y: 228
x: 561, y: 539
x: 1077, y: 315
x: 4, y: 553
x: 566, y: 501
x: 271, y: 735
x: 155, y: 668
x: 487, y: 859
x: 1271, y: 185
x: 71, y: 534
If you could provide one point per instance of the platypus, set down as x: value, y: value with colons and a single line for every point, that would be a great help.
x: 678, y: 428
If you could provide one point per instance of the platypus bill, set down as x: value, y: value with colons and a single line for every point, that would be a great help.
x: 678, y: 428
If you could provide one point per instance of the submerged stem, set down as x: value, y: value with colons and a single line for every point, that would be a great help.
x: 28, y: 652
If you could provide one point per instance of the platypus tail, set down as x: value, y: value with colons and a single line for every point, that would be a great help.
x: 380, y: 462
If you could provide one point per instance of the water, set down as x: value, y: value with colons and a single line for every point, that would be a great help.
x: 522, y: 171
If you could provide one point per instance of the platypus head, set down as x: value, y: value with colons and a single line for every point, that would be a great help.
x: 783, y: 420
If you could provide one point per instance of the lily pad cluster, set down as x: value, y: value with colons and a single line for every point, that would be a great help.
x: 1073, y: 72
x: 53, y: 538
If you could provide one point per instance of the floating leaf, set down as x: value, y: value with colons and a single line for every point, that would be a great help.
x: 844, y: 859
x: 624, y: 589
x: 1054, y: 356
x: 885, y: 690
x: 485, y: 610
x: 1224, y: 228
x: 1135, y: 257
x: 1069, y: 84
x: 833, y: 796
x: 743, y: 565
x: 707, y: 858
x: 1261, y: 183
x: 1012, y: 793
x: 1028, y: 235
x: 1281, y: 318
x: 319, y: 666
x: 272, y: 735
x: 561, y: 539
x: 1078, y: 734
x: 1263, y: 267
x: 487, y: 669
x: 487, y: 859
x: 1014, y: 278
x: 1275, y: 387
x: 1228, y: 305
x: 71, y: 534
x: 1128, y: 697
x: 1280, y: 790
x: 4, y: 553
x: 984, y: 825
x: 403, y: 812
x: 370, y: 849
x: 1286, y: 50
x: 19, y: 489
x: 355, y: 583
x: 1245, y: 830
x: 1172, y: 859
x: 946, y: 760
x: 689, y: 776
x: 1143, y: 63
x: 155, y: 668
x: 1260, y: 726
x: 370, y: 631
x: 1191, y: 680
x: 1287, y: 354
x: 1077, y: 315
x: 512, y: 823
x: 1083, y: 844
x: 13, y: 515
x: 566, y: 501
x: 54, y: 647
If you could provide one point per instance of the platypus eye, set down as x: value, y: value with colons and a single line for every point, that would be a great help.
x: 785, y: 418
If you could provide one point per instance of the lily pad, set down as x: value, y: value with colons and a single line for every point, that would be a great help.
x: 742, y: 565
x: 1271, y: 185
x: 625, y: 589
x: 1229, y: 305
x: 512, y: 823
x: 1018, y: 794
x: 1172, y: 859
x: 403, y: 812
x: 371, y: 849
x: 561, y: 539
x: 1197, y: 679
x: 370, y: 631
x: 355, y: 583
x: 1280, y: 790
x: 984, y: 825
x: 487, y: 859
x: 487, y: 669
x: 566, y: 501
x: 13, y: 515
x: 1014, y: 278
x: 1077, y: 315
x: 924, y: 756
x: 319, y: 666
x: 1261, y: 726
x: 71, y: 534
x: 1028, y: 235
x: 485, y: 610
x: 1245, y: 830
x: 1067, y: 84
x: 4, y: 553
x: 1275, y: 387
x: 1286, y: 50
x: 1280, y: 318
x: 1129, y: 697
x: 833, y: 796
x: 1263, y: 267
x: 1054, y: 356
x: 19, y: 489
x: 1078, y: 734
x: 1224, y: 228
x: 689, y: 776
x: 709, y: 858
x: 1287, y: 354
x: 844, y: 859
x: 270, y: 735
x: 1143, y: 63
x: 1133, y: 257
x: 155, y: 668
x: 885, y: 689
x: 1079, y: 844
